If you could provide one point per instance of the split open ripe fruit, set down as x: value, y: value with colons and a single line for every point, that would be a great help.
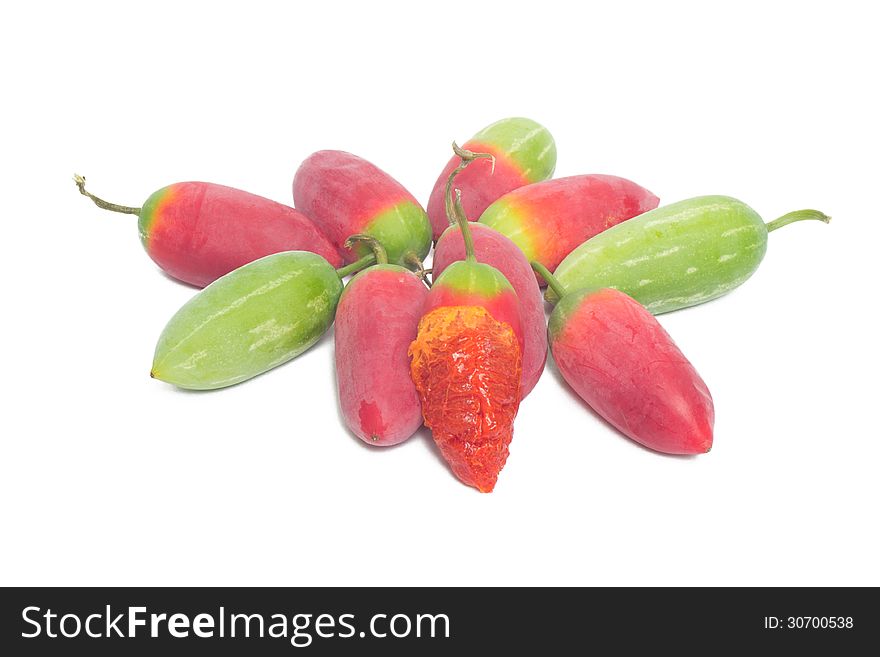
x: 466, y: 366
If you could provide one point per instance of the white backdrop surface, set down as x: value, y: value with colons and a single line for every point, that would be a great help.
x: 109, y: 477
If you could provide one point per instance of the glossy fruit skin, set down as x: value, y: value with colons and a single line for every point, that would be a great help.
x: 344, y: 195
x: 525, y: 152
x: 673, y: 257
x: 494, y: 249
x: 376, y: 320
x: 249, y: 321
x: 198, y: 232
x: 548, y: 220
x: 620, y: 361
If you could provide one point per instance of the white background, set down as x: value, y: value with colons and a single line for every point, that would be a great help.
x: 109, y: 477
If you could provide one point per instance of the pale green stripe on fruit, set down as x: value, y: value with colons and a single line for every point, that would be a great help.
x: 672, y: 257
x: 527, y: 143
x: 249, y: 321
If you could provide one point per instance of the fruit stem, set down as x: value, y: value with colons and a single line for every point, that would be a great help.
x: 101, y: 203
x: 357, y: 265
x: 797, y: 215
x: 552, y: 281
x: 415, y: 264
x: 466, y: 157
x: 374, y: 245
x: 463, y: 226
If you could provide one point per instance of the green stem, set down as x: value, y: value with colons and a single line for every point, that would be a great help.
x: 101, y: 203
x: 552, y: 281
x: 464, y: 227
x: 423, y: 274
x: 454, y: 210
x: 374, y: 245
x: 416, y: 265
x: 466, y: 158
x: 797, y: 215
x: 357, y: 265
x: 414, y: 262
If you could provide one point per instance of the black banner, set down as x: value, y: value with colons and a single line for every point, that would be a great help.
x: 435, y: 621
